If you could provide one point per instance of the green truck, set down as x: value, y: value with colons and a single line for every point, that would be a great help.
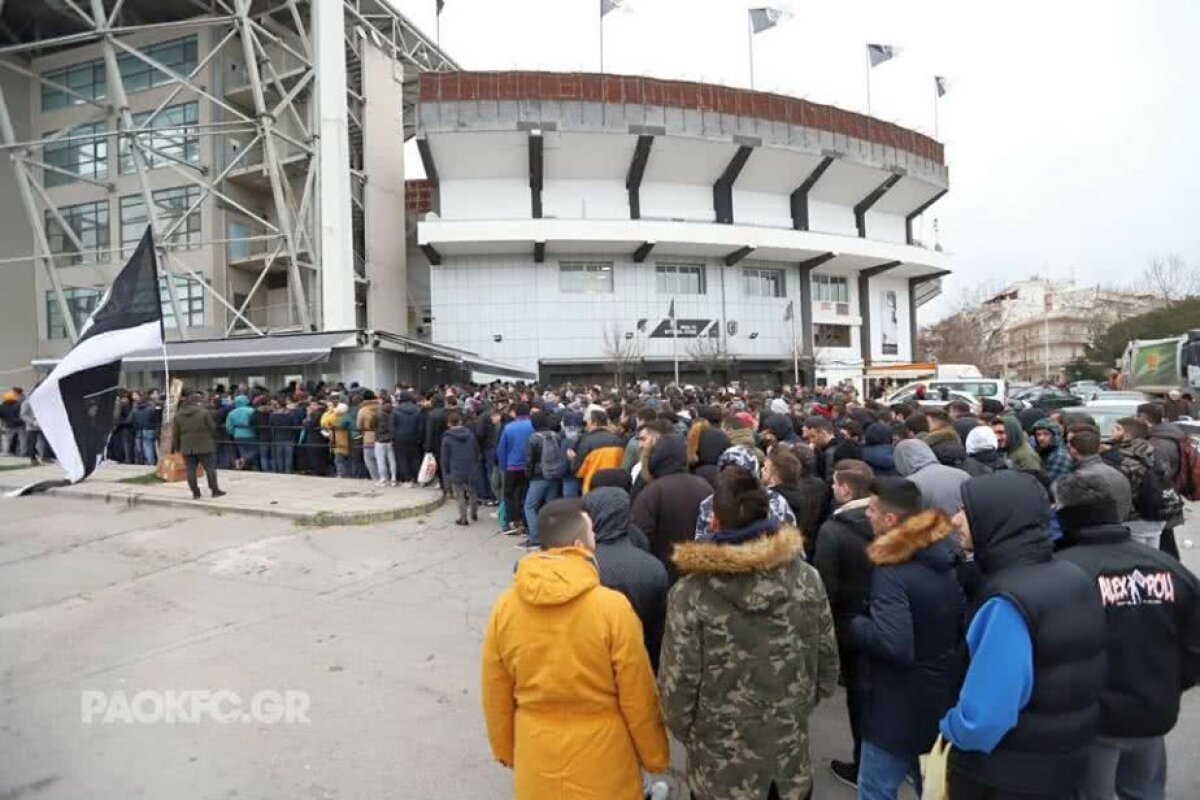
x: 1156, y: 366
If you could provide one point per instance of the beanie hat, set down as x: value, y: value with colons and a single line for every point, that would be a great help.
x: 981, y: 438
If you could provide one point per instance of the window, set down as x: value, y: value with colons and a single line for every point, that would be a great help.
x: 178, y: 55
x: 81, y: 301
x: 87, y: 158
x: 679, y: 279
x: 89, y: 221
x: 172, y: 134
x: 585, y: 277
x: 85, y: 79
x: 831, y: 335
x: 191, y: 301
x: 758, y: 282
x: 830, y: 289
x: 171, y: 203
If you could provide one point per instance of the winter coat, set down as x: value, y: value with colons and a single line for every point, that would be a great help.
x: 780, y: 512
x: 145, y: 417
x: 383, y: 428
x: 964, y: 425
x: 510, y: 451
x: 744, y: 437
x: 939, y: 484
x: 781, y: 426
x: 1055, y: 458
x: 713, y: 442
x: 1167, y: 438
x: 808, y: 502
x: 881, y: 458
x: 30, y: 420
x: 239, y: 423
x: 575, y: 716
x: 195, y: 431
x: 599, y: 449
x: 436, y: 424
x: 841, y: 559
x: 1117, y: 485
x: 10, y: 413
x: 943, y: 436
x: 1151, y: 604
x: 368, y: 420
x: 342, y: 434
x: 666, y: 509
x: 630, y: 570
x: 749, y: 650
x: 1022, y: 456
x: 408, y: 426
x: 459, y: 456
x: 911, y: 636
x: 984, y: 462
x: 283, y: 426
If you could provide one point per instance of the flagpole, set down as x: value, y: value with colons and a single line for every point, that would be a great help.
x: 675, y: 340
x: 750, y: 40
x: 868, y: 92
x: 936, y: 102
x: 601, y: 46
x: 795, y: 351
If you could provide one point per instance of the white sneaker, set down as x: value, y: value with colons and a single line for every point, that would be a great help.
x: 393, y: 484
x: 380, y: 483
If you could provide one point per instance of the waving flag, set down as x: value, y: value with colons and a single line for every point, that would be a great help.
x: 879, y: 53
x: 609, y: 5
x: 76, y: 403
x: 762, y: 19
x: 787, y: 315
x: 942, y: 85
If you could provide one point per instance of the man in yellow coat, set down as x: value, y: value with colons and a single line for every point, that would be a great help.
x: 568, y: 693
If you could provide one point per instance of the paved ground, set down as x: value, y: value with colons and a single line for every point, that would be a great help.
x: 379, y: 625
x: 307, y: 501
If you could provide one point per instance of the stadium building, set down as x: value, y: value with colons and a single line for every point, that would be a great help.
x: 568, y: 226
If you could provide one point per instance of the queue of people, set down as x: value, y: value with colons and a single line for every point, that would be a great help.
x: 717, y: 563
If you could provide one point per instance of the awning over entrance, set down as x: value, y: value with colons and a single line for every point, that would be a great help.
x: 913, y: 370
x: 282, y: 350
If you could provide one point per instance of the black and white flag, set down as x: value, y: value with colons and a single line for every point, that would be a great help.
x: 879, y: 53
x: 609, y: 5
x: 762, y: 19
x: 75, y: 404
x: 787, y: 315
x: 941, y: 84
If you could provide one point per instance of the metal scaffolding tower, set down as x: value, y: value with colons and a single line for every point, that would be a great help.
x: 301, y: 114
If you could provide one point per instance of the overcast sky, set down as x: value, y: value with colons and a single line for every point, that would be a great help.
x: 1072, y: 128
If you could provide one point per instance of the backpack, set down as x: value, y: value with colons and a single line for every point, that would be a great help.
x: 1187, y: 483
x: 1154, y: 499
x: 554, y: 461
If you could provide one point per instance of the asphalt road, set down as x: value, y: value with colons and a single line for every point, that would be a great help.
x: 379, y: 627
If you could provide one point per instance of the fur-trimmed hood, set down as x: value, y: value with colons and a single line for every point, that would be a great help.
x: 749, y: 575
x: 921, y: 536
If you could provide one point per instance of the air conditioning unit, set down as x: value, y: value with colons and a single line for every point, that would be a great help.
x: 843, y: 309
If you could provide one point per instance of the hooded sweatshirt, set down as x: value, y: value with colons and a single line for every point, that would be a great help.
x: 623, y: 566
x: 666, y: 509
x: 1055, y: 458
x: 239, y: 423
x: 940, y: 485
x: 749, y: 637
x: 1019, y: 452
x: 550, y: 697
x: 878, y: 451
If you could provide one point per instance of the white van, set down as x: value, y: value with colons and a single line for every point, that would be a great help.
x: 982, y: 388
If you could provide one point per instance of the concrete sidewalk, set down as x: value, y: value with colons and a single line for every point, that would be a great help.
x: 301, y: 499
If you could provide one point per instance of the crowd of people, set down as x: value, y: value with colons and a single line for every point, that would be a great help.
x: 712, y: 564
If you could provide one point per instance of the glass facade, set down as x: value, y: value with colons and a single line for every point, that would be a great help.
x: 88, y: 79
x: 87, y: 158
x: 191, y: 301
x: 81, y: 301
x: 89, y: 222
x: 173, y: 135
x: 172, y: 203
x: 673, y: 279
x: 830, y: 289
x: 762, y: 282
x: 585, y: 277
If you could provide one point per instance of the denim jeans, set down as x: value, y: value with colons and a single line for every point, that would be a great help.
x: 247, y: 450
x: 571, y: 487
x: 264, y: 457
x: 368, y: 457
x: 1133, y: 769
x: 385, y: 461
x: 342, y: 466
x: 147, y: 447
x: 540, y: 492
x: 281, y: 457
x: 881, y: 773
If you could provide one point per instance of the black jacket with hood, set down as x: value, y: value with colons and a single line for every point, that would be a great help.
x: 841, y: 558
x: 1045, y: 754
x: 1152, y: 607
x: 666, y: 509
x: 623, y: 566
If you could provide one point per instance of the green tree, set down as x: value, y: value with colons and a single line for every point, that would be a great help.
x: 1080, y: 369
x: 1172, y: 320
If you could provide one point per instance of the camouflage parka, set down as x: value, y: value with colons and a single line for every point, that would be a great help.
x: 748, y: 651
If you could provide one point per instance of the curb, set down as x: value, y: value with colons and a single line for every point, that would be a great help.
x: 321, y: 519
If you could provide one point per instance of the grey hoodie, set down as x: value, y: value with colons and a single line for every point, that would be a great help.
x: 941, y: 486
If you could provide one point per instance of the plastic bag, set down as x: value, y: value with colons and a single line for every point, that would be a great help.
x: 933, y: 771
x: 428, y: 470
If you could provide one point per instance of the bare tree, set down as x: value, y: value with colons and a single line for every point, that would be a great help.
x: 708, y: 353
x: 1171, y: 278
x: 622, y: 353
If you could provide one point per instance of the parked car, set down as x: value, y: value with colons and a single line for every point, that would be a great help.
x: 935, y: 399
x: 1107, y: 412
x: 1045, y: 397
x: 976, y: 387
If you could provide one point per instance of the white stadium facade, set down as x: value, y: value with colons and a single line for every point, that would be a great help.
x: 567, y: 214
x: 560, y: 219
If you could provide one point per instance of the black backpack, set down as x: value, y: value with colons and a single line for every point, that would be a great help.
x: 1154, y: 499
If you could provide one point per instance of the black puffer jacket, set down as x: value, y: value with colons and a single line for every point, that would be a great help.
x: 841, y: 558
x: 666, y: 509
x: 623, y: 566
x: 808, y: 500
